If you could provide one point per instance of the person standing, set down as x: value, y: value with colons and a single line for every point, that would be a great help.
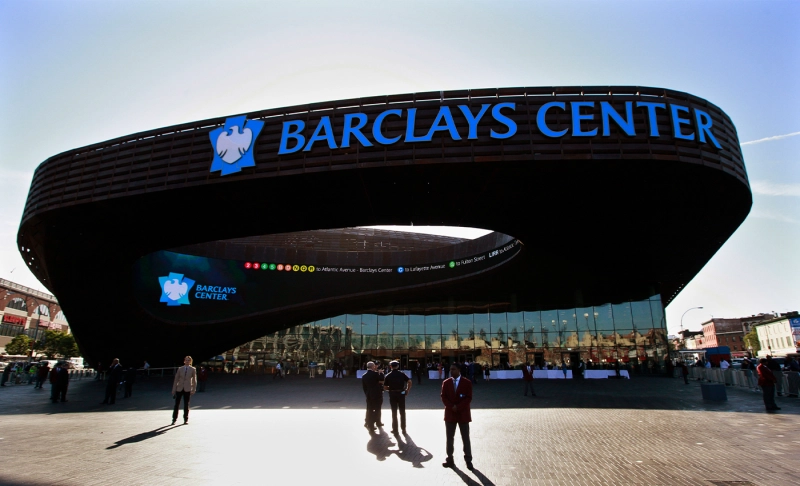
x: 486, y: 372
x: 793, y: 377
x: 54, y: 382
x: 766, y: 380
x: 775, y: 368
x: 419, y: 371
x: 457, y: 396
x: 398, y: 385
x: 41, y: 374
x: 183, y: 387
x: 130, y: 379
x: 114, y: 379
x: 6, y: 374
x: 527, y: 377
x: 372, y: 383
x: 202, y: 377
x: 685, y: 373
x: 277, y: 372
x: 62, y: 380
x: 146, y: 369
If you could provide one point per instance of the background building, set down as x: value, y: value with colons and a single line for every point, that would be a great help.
x: 779, y: 336
x: 24, y: 310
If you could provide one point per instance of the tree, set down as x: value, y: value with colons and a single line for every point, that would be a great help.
x: 19, y: 345
x: 750, y: 340
x: 59, y: 344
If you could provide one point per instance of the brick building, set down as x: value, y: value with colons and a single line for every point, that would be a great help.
x: 24, y: 310
x: 725, y: 332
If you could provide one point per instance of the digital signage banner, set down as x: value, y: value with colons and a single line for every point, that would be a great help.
x: 193, y: 289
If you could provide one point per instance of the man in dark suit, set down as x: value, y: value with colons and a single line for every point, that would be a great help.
x: 372, y: 383
x: 456, y: 397
x: 62, y: 380
x: 527, y: 377
x: 114, y: 379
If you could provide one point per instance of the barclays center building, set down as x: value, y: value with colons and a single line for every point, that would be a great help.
x: 254, y: 232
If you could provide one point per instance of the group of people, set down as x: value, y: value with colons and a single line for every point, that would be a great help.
x: 456, y: 395
x: 39, y: 373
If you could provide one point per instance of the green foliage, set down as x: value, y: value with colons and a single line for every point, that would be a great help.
x: 751, y: 341
x: 19, y: 345
x: 59, y: 344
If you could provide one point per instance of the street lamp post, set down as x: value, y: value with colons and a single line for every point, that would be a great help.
x: 687, y: 310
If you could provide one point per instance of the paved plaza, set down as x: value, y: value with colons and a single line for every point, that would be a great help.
x: 299, y: 431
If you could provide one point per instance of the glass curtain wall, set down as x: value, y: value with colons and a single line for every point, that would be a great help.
x: 631, y: 333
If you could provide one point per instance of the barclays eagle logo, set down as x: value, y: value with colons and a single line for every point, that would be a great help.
x: 233, y: 144
x: 175, y: 289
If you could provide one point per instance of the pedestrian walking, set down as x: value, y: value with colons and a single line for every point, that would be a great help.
x: 527, y: 378
x: 372, y: 384
x: 130, y: 379
x: 766, y: 380
x: 183, y: 387
x: 202, y: 377
x: 115, y: 375
x: 564, y: 368
x: 398, y: 385
x: 457, y: 396
x: 62, y: 380
x: 41, y: 374
x: 419, y: 371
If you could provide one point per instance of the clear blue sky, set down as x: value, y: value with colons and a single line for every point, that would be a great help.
x: 74, y: 73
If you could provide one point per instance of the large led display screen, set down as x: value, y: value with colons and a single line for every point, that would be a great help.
x: 183, y: 288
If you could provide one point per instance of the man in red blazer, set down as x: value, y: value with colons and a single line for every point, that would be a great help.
x: 457, y: 396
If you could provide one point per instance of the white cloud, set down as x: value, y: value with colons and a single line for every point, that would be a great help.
x: 767, y: 188
x: 770, y: 139
x: 771, y: 215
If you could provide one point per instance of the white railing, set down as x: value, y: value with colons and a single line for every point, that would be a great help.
x: 731, y: 377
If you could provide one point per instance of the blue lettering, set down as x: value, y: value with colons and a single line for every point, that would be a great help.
x: 499, y: 117
x: 626, y: 124
x: 449, y: 124
x: 412, y: 118
x: 349, y: 129
x: 704, y: 127
x: 577, y: 117
x: 324, y: 125
x: 473, y: 120
x: 540, y: 120
x: 651, y: 115
x: 287, y: 133
x: 677, y: 121
x: 376, y: 128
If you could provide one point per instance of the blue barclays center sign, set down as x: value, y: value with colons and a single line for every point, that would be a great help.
x: 233, y: 143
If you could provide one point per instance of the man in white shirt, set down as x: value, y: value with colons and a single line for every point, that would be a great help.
x: 724, y: 365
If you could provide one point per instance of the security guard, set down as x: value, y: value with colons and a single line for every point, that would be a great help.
x: 398, y: 385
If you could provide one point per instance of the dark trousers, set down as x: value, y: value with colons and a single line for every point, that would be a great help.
x: 128, y: 389
x: 419, y: 378
x: 201, y: 386
x: 186, y: 395
x: 686, y: 379
x: 769, y: 396
x: 451, y: 433
x: 529, y: 386
x: 373, y: 411
x: 62, y: 391
x: 54, y: 392
x: 111, y: 393
x: 398, y: 401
